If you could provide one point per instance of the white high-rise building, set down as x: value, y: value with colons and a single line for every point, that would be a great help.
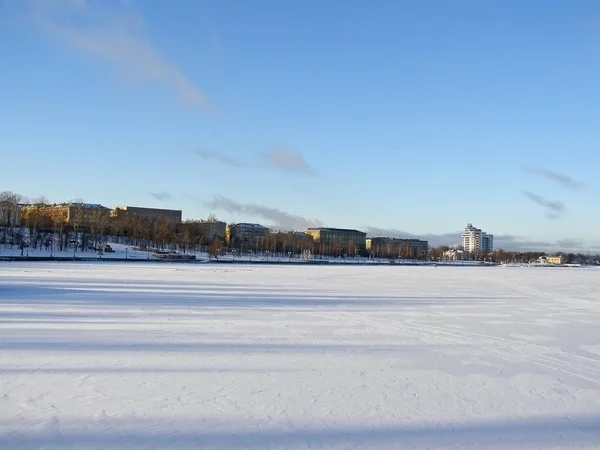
x: 474, y: 240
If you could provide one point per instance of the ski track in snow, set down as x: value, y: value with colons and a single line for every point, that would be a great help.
x: 114, y: 355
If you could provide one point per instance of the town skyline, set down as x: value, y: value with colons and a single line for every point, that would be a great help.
x: 451, y: 239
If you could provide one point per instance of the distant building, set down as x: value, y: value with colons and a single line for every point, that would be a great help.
x: 292, y: 240
x: 171, y: 215
x: 345, y: 237
x: 302, y: 239
x: 412, y: 248
x: 456, y: 255
x: 245, y: 232
x: 78, y: 215
x: 475, y: 240
x: 213, y: 229
x: 206, y: 230
x: 552, y: 260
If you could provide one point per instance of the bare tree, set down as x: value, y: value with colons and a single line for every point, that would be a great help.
x: 9, y: 216
x: 37, y: 219
x: 9, y: 208
x: 76, y: 222
x: 163, y: 233
x: 215, y: 248
x: 98, y: 223
x: 352, y: 249
x: 59, y: 222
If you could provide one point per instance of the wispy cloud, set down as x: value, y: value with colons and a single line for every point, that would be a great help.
x: 116, y: 38
x: 161, y: 196
x: 277, y: 217
x: 222, y: 158
x: 554, y: 208
x: 278, y: 159
x: 556, y: 177
x: 289, y: 161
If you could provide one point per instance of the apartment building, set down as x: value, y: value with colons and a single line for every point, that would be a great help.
x: 78, y: 215
x: 475, y: 240
x: 342, y: 236
x: 245, y: 232
x: 171, y: 215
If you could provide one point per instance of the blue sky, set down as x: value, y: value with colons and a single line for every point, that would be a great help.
x: 399, y: 116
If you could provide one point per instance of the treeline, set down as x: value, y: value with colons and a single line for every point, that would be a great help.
x: 39, y: 227
x: 77, y: 227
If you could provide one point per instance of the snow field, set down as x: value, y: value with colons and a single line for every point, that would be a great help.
x: 119, y: 251
x: 117, y: 355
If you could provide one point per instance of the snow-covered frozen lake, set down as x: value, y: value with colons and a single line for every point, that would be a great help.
x: 203, y: 356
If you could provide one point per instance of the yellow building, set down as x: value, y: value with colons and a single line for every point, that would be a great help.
x: 338, y: 236
x: 556, y: 260
x: 74, y: 214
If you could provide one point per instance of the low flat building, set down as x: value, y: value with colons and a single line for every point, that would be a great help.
x: 205, y: 230
x: 338, y: 236
x: 412, y: 248
x: 213, y: 229
x: 171, y: 215
x: 291, y: 240
x: 456, y: 255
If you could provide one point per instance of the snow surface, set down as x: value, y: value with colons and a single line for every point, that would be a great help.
x: 119, y: 251
x: 118, y: 355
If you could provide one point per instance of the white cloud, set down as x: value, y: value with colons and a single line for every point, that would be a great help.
x: 289, y: 161
x: 277, y: 158
x: 116, y: 38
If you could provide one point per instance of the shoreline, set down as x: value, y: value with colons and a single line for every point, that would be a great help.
x: 34, y: 259
x: 294, y: 262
